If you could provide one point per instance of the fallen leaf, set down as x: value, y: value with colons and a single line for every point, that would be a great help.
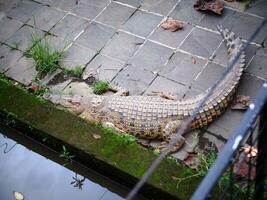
x: 241, y: 102
x: 18, y: 195
x: 250, y: 151
x: 194, y: 61
x: 33, y: 88
x: 96, y: 136
x: 172, y: 25
x: 215, y: 6
x: 242, y: 169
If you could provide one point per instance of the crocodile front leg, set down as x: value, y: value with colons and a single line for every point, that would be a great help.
x: 120, y: 91
x: 164, y: 95
x: 169, y: 133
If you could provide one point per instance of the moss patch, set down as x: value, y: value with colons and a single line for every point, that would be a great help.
x: 120, y: 159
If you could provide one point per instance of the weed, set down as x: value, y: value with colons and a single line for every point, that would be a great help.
x: 66, y: 154
x: 76, y: 72
x: 45, y: 57
x: 100, y: 87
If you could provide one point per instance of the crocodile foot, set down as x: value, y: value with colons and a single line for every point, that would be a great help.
x: 179, y: 143
x: 118, y: 89
x: 164, y: 95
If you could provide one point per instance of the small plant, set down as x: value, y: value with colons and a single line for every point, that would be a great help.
x: 100, y: 87
x: 76, y: 72
x: 66, y: 154
x: 45, y: 57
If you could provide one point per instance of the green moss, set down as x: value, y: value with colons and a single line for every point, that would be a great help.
x: 100, y: 87
x: 113, y: 155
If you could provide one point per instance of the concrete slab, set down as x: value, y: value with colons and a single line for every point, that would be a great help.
x: 22, y: 39
x: 201, y: 42
x: 95, y: 36
x: 258, y: 65
x: 115, y: 14
x: 135, y: 3
x: 89, y: 8
x: 161, y: 84
x: 70, y: 27
x: 65, y: 5
x: 151, y: 56
x: 22, y: 71
x: 258, y: 7
x: 183, y: 68
x: 142, y: 23
x: 221, y: 57
x: 77, y: 56
x: 134, y: 79
x: 8, y: 57
x: 46, y: 18
x: 211, y: 20
x: 23, y: 10
x: 8, y: 28
x: 161, y: 7
x: 106, y: 68
x: 184, y: 11
x: 208, y: 76
x: 171, y: 39
x: 226, y: 124
x: 122, y: 46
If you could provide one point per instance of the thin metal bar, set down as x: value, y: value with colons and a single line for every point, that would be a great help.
x: 261, y: 166
x: 231, y: 146
x: 186, y: 123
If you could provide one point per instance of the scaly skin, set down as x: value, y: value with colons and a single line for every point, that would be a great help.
x: 157, y: 117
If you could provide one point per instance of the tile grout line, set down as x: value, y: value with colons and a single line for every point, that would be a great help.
x: 244, y: 12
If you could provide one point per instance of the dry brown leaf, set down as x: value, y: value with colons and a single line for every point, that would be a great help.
x: 241, y: 102
x: 194, y: 61
x: 242, y: 169
x: 172, y: 25
x: 215, y: 6
x: 250, y: 151
x: 96, y: 136
x: 34, y: 88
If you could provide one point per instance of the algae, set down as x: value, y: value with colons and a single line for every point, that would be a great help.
x: 116, y: 157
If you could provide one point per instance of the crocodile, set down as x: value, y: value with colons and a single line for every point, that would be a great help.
x: 158, y: 116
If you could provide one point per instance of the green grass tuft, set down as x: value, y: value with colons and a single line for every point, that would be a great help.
x: 76, y: 72
x: 45, y: 57
x: 100, y: 87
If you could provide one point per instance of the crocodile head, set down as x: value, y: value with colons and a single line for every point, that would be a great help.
x: 71, y: 102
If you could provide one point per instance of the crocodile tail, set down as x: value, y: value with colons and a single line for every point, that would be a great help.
x: 224, y: 92
x: 233, y: 44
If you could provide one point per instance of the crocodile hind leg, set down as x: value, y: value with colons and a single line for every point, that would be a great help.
x: 164, y: 95
x: 169, y: 134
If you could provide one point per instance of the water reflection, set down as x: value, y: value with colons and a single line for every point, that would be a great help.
x: 6, y: 143
x: 38, y: 177
x: 77, y: 182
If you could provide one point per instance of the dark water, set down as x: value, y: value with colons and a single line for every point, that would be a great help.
x: 32, y: 169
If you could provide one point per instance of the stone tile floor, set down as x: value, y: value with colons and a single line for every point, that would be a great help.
x: 122, y: 40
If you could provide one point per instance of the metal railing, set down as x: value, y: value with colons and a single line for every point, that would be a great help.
x: 229, y: 150
x: 243, y: 161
